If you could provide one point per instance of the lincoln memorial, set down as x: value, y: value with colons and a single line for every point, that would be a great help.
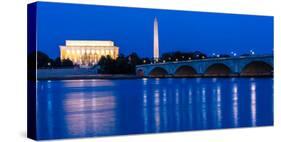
x: 87, y: 52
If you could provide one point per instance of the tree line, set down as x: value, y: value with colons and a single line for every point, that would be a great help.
x: 121, y: 65
x: 44, y: 61
x: 127, y: 64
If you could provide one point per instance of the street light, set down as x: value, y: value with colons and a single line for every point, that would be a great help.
x: 233, y: 53
x: 252, y: 52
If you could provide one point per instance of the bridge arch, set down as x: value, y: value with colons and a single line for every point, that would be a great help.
x: 218, y: 69
x: 257, y: 68
x: 185, y: 71
x: 158, y: 72
x: 140, y: 72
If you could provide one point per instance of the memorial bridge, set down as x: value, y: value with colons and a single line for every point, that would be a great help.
x: 255, y: 65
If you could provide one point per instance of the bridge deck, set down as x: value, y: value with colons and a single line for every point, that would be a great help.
x: 258, y: 65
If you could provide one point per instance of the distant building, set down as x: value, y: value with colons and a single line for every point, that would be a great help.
x: 155, y: 41
x: 87, y: 53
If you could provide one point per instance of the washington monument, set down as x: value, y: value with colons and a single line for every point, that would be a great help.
x: 155, y: 41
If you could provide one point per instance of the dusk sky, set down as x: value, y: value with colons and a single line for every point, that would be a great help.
x: 132, y: 29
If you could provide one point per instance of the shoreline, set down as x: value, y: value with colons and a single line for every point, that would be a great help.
x: 99, y: 76
x: 76, y: 74
x: 122, y: 76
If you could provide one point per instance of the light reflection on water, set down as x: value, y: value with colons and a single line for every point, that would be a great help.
x: 253, y: 103
x: 81, y: 108
x: 86, y: 112
x: 204, y: 108
x: 218, y: 107
x: 235, y: 105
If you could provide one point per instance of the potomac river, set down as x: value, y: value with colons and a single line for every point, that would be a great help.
x: 103, y: 107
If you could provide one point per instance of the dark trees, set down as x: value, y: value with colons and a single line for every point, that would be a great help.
x: 181, y: 56
x: 44, y: 61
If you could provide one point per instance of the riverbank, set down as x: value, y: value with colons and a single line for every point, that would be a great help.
x: 69, y: 74
x: 97, y: 76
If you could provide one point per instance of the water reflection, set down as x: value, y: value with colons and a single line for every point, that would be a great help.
x: 190, y: 108
x: 177, y: 111
x: 165, y: 110
x: 90, y: 114
x: 217, y: 106
x: 144, y: 81
x: 204, y: 108
x: 157, y: 81
x: 157, y: 110
x: 81, y: 102
x: 78, y: 108
x: 253, y: 103
x: 145, y: 110
x: 50, y: 114
x: 235, y: 105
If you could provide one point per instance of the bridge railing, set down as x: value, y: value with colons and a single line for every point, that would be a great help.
x: 210, y: 59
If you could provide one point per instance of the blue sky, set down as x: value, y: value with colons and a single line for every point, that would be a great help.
x: 132, y: 29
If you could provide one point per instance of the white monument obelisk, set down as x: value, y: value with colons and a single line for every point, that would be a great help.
x: 155, y: 41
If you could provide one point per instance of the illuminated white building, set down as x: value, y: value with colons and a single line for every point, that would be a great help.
x: 155, y: 40
x: 87, y: 52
